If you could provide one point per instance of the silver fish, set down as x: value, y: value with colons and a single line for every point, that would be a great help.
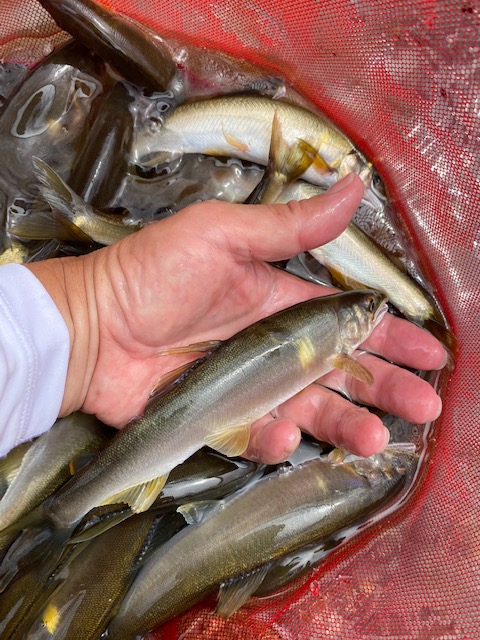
x: 235, y: 545
x: 241, y: 126
x: 355, y: 261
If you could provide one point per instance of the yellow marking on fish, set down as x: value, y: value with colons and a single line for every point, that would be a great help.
x: 235, y: 142
x: 306, y: 352
x: 51, y: 618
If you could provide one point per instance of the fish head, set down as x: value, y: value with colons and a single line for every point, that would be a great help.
x: 359, y: 313
x: 392, y: 464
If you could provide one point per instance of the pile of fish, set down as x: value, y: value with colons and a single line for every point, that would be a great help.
x: 119, y: 533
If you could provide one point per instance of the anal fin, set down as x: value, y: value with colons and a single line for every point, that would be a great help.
x: 236, y: 592
x: 141, y: 496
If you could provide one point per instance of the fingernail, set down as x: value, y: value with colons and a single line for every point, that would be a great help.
x: 386, y: 438
x: 343, y: 183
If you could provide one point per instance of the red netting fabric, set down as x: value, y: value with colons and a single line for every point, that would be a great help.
x: 402, y: 79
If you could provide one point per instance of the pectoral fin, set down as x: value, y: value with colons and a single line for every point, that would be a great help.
x: 203, y: 347
x: 141, y: 496
x: 353, y: 367
x: 231, y: 442
x: 236, y: 592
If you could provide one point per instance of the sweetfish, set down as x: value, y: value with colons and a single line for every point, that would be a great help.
x: 246, y: 377
x: 234, y: 547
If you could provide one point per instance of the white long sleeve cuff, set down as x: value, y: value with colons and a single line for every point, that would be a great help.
x: 34, y: 353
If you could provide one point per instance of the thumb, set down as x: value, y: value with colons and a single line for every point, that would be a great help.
x: 279, y: 231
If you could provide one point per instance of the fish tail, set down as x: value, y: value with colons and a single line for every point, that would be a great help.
x: 38, y: 543
x: 65, y: 204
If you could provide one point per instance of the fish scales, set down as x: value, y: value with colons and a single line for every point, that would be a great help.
x: 241, y: 126
x: 298, y: 506
x: 245, y: 378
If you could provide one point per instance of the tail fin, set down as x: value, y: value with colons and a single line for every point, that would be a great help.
x: 38, y: 544
x: 65, y: 204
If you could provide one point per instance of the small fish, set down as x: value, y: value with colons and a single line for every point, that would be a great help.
x: 136, y: 51
x: 234, y: 546
x: 356, y: 261
x: 189, y: 179
x: 71, y: 219
x: 47, y: 116
x: 216, y: 404
x: 91, y: 585
x: 241, y: 126
x: 48, y: 459
x: 101, y: 164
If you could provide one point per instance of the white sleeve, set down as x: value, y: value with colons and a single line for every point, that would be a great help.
x: 34, y: 353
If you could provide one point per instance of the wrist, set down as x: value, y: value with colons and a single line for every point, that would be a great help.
x: 71, y: 285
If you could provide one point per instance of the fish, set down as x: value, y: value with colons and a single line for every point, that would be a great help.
x: 134, y: 50
x: 72, y: 219
x: 192, y: 178
x: 241, y: 126
x: 48, y: 459
x: 354, y: 260
x: 88, y: 589
x: 233, y: 547
x: 47, y: 116
x: 102, y: 163
x: 206, y: 475
x: 215, y: 404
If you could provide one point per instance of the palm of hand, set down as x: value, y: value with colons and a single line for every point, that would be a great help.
x: 202, y: 275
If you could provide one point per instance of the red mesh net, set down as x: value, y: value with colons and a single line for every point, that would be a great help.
x: 402, y: 79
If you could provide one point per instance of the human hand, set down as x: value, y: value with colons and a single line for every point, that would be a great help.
x: 201, y: 275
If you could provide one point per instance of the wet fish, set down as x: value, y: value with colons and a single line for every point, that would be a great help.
x: 241, y: 126
x: 72, y: 219
x: 102, y: 163
x: 216, y: 404
x: 355, y: 261
x: 234, y: 546
x: 136, y: 51
x: 48, y: 460
x: 47, y: 116
x: 91, y: 585
x: 191, y: 178
x: 206, y: 475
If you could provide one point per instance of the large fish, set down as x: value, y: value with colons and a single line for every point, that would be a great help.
x: 136, y: 51
x: 246, y: 377
x: 234, y: 546
x: 241, y: 126
x: 355, y: 261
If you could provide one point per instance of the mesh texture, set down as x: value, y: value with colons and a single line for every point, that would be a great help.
x: 402, y: 79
